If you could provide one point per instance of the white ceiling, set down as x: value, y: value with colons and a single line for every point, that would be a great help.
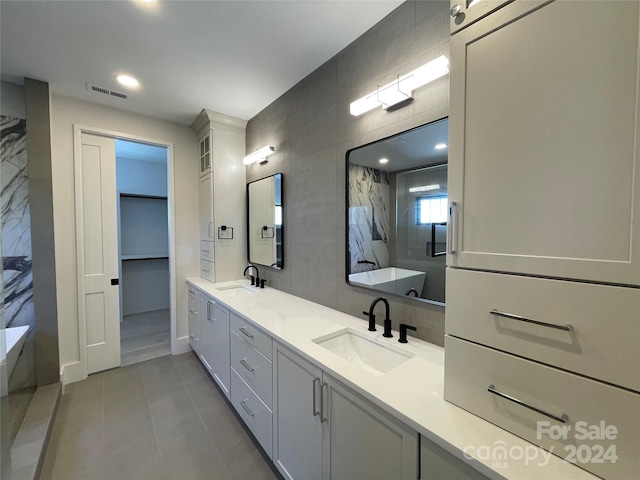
x: 233, y: 57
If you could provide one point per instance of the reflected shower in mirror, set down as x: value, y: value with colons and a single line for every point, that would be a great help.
x: 265, y: 226
x: 397, y: 213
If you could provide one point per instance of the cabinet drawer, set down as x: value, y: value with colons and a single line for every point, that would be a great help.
x: 207, y: 270
x: 582, y: 404
x: 256, y: 415
x: 206, y: 251
x: 251, y: 334
x: 253, y: 367
x: 603, y: 341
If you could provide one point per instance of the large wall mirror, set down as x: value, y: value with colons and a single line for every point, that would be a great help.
x: 397, y: 213
x: 265, y: 226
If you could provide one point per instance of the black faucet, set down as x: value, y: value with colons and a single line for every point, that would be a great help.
x: 254, y: 280
x: 403, y: 332
x: 372, y: 317
x: 410, y: 291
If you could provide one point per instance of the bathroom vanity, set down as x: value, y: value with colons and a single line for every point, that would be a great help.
x: 325, y: 398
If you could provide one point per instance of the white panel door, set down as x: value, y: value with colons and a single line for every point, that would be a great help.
x: 543, y: 158
x: 99, y: 229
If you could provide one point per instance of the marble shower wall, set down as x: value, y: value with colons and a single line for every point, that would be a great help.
x: 16, y: 241
x: 369, y: 204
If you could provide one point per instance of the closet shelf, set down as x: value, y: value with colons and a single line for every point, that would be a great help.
x: 140, y: 195
x: 144, y: 256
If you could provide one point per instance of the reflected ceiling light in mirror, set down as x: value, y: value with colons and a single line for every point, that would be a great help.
x: 401, y: 89
x: 384, y: 160
x: 259, y: 155
x: 424, y: 188
x: 441, y: 146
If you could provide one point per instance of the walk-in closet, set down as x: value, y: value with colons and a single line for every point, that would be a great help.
x: 141, y: 179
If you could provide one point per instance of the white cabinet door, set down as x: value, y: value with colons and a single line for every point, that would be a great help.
x: 221, y: 365
x: 543, y: 156
x: 206, y: 333
x: 297, y: 436
x: 206, y: 208
x: 438, y: 464
x: 205, y: 152
x: 362, y: 441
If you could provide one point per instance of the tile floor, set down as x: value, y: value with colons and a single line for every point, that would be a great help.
x: 162, y: 419
x: 144, y: 336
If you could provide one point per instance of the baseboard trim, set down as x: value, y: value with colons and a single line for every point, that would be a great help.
x: 180, y: 346
x: 72, y: 372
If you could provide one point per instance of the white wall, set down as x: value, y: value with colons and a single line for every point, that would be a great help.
x: 67, y: 112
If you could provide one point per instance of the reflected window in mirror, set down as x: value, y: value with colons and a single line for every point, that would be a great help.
x: 265, y: 222
x: 397, y: 213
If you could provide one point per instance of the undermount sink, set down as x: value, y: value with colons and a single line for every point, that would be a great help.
x: 239, y: 289
x: 373, y: 355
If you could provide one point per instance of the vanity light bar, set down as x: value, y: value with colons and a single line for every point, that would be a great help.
x: 401, y: 89
x: 258, y: 155
x: 424, y: 188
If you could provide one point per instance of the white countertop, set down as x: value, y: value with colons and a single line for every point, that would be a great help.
x: 412, y: 392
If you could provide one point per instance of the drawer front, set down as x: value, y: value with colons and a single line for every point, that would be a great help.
x: 600, y: 420
x: 206, y: 251
x: 604, y: 338
x: 207, y: 270
x: 256, y: 415
x: 251, y: 334
x: 253, y: 367
x: 194, y: 300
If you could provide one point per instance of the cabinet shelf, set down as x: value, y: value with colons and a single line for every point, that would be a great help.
x: 144, y: 256
x: 138, y: 195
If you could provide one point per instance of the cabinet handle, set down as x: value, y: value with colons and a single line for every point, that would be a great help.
x: 566, y: 328
x: 455, y: 11
x: 452, y: 236
x: 192, y: 292
x: 561, y: 419
x: 315, y: 411
x: 209, y: 303
x: 246, y: 409
x: 246, y: 365
x: 244, y: 330
x: 322, y: 416
x: 193, y: 337
x: 192, y: 311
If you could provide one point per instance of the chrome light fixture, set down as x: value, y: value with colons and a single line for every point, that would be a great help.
x: 401, y: 89
x: 259, y: 155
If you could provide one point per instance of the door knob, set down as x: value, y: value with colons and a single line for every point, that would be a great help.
x: 455, y: 11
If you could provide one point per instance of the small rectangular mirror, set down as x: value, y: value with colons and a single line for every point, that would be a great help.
x: 264, y: 222
x: 397, y: 213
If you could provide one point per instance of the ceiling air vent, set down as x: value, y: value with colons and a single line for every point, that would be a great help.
x: 106, y: 91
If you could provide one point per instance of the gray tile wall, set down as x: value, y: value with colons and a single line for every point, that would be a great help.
x: 42, y: 241
x: 311, y: 128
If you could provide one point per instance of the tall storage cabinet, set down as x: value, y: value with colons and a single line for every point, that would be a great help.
x: 221, y: 148
x: 544, y: 251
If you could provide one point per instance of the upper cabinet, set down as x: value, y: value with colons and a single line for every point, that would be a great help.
x: 544, y: 176
x: 223, y: 237
x: 204, y: 152
x: 465, y: 12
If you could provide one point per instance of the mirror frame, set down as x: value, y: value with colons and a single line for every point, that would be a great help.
x: 346, y: 217
x: 277, y: 265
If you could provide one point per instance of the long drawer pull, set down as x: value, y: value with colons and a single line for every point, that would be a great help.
x: 561, y: 419
x: 315, y: 411
x: 246, y: 409
x: 246, y: 332
x: 322, y: 404
x: 246, y: 365
x: 497, y: 313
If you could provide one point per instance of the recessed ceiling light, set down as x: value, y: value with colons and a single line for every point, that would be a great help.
x: 384, y: 160
x: 127, y: 80
x: 440, y: 146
